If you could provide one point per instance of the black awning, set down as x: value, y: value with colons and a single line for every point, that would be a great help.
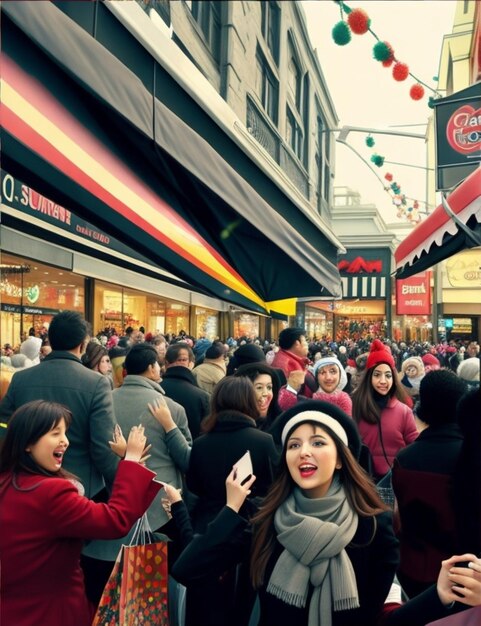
x: 81, y: 128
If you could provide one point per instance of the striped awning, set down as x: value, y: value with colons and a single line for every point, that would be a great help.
x: 439, y: 236
x: 82, y: 129
x: 364, y: 286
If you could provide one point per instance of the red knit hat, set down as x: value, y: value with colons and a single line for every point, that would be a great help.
x: 379, y: 353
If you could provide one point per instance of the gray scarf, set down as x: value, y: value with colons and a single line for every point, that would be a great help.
x: 314, y: 533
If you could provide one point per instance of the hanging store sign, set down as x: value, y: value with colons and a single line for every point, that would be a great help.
x: 458, y: 136
x: 413, y: 295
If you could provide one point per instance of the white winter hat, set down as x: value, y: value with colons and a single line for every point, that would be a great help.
x: 332, y: 360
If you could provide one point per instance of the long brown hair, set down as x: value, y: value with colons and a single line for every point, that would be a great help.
x: 231, y: 394
x: 360, y: 492
x: 364, y: 405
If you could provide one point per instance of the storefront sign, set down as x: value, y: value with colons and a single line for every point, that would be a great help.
x: 351, y: 307
x: 463, y: 271
x: 31, y: 203
x: 413, y: 295
x: 365, y: 273
x: 458, y: 136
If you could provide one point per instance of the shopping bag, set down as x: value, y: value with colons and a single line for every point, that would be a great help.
x: 109, y: 606
x: 137, y: 589
x: 468, y: 617
x: 144, y: 588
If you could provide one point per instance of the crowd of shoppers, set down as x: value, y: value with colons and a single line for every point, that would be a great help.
x: 306, y: 533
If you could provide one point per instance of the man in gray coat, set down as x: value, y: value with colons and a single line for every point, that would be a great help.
x: 62, y: 378
x: 168, y: 434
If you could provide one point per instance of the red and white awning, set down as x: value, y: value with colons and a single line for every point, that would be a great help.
x: 439, y: 237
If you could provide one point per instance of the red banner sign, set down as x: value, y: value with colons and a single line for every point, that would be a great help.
x: 413, y: 295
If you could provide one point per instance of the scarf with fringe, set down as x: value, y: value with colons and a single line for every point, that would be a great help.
x: 314, y: 533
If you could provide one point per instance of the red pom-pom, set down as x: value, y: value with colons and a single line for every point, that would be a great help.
x: 416, y: 92
x: 416, y: 204
x: 387, y: 62
x: 359, y: 21
x: 388, y: 177
x: 400, y: 71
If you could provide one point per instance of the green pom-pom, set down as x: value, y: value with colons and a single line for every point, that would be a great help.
x: 370, y: 142
x: 381, y: 51
x: 341, y: 33
x: 378, y: 160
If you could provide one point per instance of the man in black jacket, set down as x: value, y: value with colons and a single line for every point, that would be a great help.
x: 179, y: 383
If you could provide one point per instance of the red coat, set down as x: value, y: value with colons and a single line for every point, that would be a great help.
x: 289, y: 362
x: 43, y: 522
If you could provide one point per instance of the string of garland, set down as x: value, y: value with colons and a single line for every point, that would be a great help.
x: 359, y: 23
x: 408, y: 210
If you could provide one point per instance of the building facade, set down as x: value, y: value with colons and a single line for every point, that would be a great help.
x: 253, y: 71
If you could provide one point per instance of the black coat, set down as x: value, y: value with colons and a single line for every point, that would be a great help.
x: 180, y: 385
x: 213, y: 455
x: 422, y: 482
x: 373, y: 553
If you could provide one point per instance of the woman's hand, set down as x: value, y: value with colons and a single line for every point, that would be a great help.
x: 460, y: 584
x: 161, y: 412
x: 119, y: 444
x: 173, y: 495
x: 237, y: 493
x: 136, y: 448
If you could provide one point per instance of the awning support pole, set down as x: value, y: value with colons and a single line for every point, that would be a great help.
x: 473, y: 237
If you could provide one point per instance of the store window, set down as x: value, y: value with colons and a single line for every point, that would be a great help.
x: 177, y: 318
x: 206, y: 323
x: 117, y: 308
x: 31, y: 293
x: 318, y: 324
x: 246, y: 325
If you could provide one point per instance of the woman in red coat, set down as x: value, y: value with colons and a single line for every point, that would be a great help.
x: 44, y: 519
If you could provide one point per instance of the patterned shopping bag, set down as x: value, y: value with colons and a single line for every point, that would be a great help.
x: 109, y: 607
x: 144, y: 588
x: 137, y: 590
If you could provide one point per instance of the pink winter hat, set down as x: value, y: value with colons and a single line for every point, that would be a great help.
x: 430, y: 359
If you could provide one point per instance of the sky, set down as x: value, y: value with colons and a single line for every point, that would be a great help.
x: 365, y: 94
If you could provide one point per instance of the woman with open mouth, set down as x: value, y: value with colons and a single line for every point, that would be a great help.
x: 45, y: 518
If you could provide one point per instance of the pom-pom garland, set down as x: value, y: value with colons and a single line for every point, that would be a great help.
x: 341, y: 33
x: 378, y: 160
x: 416, y: 92
x: 382, y: 51
x: 388, y: 177
x: 359, y: 21
x: 400, y: 71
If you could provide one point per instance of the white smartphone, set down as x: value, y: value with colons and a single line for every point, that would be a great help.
x: 244, y: 467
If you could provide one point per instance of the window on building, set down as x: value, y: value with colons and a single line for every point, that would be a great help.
x: 294, y: 135
x: 270, y: 26
x: 267, y: 88
x: 207, y: 15
x: 297, y: 112
x: 322, y: 157
x: 294, y: 81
